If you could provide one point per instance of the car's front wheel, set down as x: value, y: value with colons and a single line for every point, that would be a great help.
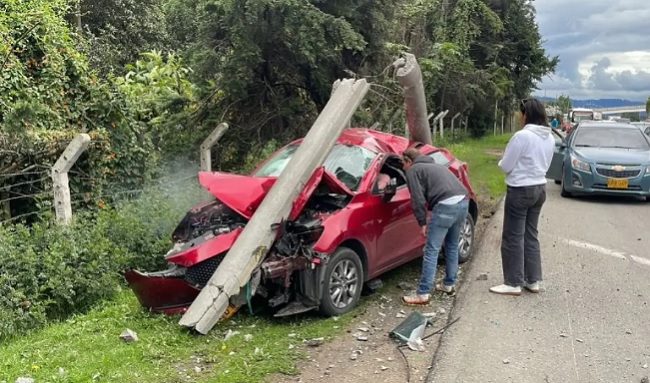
x: 564, y: 193
x: 343, y: 282
x: 466, y: 240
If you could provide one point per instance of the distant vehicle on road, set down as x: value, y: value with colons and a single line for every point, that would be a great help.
x: 579, y: 114
x: 602, y: 158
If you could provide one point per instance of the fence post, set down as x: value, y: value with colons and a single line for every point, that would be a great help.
x: 453, y: 119
x: 435, y: 120
x: 206, y: 146
x: 442, y: 120
x: 62, y: 204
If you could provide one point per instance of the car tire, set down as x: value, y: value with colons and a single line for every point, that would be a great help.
x: 467, y: 234
x: 564, y: 193
x: 343, y: 261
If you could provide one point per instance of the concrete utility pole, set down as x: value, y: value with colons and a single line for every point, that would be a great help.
x: 409, y: 76
x: 252, y: 245
x: 62, y: 204
x: 206, y: 146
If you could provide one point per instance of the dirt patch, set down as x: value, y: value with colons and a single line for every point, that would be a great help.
x: 494, y: 152
x: 377, y: 359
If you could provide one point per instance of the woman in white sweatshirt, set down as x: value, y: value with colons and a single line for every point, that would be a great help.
x: 525, y: 161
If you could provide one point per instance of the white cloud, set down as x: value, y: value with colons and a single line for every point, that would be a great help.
x: 604, y: 47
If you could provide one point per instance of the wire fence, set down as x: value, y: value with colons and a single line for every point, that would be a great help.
x: 27, y: 196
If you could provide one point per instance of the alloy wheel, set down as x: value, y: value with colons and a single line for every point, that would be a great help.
x: 344, y: 283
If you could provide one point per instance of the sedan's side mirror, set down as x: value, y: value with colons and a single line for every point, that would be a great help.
x: 562, y: 145
x: 389, y: 191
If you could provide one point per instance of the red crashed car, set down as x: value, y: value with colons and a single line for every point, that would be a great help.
x: 347, y: 226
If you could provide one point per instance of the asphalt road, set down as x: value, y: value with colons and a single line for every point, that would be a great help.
x: 590, y: 324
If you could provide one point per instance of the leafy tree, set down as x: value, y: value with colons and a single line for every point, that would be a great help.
x: 47, y: 96
x: 116, y: 31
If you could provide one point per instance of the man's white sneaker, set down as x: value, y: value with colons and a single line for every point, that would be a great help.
x: 451, y: 290
x: 532, y: 287
x: 506, y: 290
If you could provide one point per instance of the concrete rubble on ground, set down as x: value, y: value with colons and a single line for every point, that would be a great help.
x: 129, y: 335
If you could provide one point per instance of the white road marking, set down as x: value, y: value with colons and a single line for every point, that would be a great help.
x: 596, y: 248
x: 606, y: 251
x: 643, y: 261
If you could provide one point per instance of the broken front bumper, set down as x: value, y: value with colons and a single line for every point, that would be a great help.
x: 162, y: 292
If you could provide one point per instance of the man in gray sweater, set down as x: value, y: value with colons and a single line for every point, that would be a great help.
x: 435, y: 187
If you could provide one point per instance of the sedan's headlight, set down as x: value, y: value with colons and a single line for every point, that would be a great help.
x: 647, y: 170
x: 580, y: 165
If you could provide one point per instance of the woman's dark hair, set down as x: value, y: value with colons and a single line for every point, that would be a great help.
x: 534, y: 111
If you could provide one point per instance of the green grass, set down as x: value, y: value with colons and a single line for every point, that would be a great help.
x: 88, y: 345
x: 482, y: 157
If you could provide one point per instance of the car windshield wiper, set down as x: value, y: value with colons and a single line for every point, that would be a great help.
x: 617, y: 147
x: 584, y: 146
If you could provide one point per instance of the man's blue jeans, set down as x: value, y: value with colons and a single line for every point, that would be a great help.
x: 445, y: 225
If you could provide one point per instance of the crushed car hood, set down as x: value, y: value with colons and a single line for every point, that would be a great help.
x: 244, y: 194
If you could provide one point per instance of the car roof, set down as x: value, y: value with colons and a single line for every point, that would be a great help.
x: 607, y: 124
x: 375, y: 141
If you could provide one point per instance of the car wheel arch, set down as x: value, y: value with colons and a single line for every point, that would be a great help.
x: 473, y: 210
x: 356, y: 246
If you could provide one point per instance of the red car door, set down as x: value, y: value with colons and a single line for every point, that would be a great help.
x: 397, y: 232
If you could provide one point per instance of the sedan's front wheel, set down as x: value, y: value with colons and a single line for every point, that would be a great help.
x: 466, y: 240
x: 343, y: 283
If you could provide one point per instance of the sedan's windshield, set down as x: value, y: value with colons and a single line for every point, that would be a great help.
x: 622, y: 138
x: 347, y: 162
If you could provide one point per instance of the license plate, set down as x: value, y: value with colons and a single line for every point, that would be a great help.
x: 617, y: 183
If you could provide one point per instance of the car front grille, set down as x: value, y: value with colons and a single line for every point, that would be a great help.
x: 618, y: 174
x: 198, y: 275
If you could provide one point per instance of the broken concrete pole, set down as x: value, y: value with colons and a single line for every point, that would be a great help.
x: 62, y: 203
x: 409, y: 76
x: 206, y: 146
x: 252, y: 245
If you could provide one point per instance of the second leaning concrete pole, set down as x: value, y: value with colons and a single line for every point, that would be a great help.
x: 409, y: 76
x: 254, y: 242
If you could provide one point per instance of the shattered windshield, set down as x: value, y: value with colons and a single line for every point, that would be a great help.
x: 611, y: 138
x: 347, y: 162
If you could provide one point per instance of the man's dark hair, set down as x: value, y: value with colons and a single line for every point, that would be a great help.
x: 411, y: 154
x: 534, y: 111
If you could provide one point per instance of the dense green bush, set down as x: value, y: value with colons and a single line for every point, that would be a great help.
x: 48, y: 271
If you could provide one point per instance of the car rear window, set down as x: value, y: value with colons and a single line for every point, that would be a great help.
x: 439, y: 158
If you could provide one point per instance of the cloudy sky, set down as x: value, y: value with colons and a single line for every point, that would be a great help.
x: 604, y: 47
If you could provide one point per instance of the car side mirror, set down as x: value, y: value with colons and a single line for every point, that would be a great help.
x: 562, y: 145
x: 389, y: 191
